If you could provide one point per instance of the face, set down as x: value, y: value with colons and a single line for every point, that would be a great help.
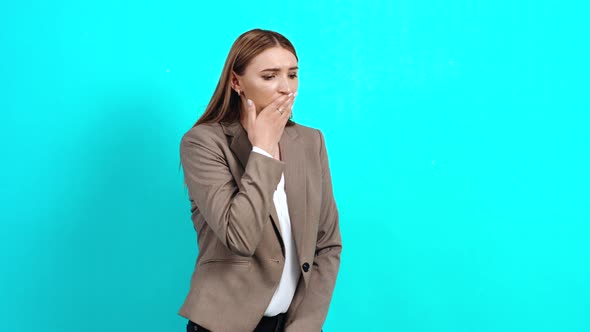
x: 269, y: 75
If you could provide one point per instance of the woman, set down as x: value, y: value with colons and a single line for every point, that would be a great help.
x: 261, y: 200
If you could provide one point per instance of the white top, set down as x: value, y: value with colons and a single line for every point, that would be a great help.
x: 281, y: 300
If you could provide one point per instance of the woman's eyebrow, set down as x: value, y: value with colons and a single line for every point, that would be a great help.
x: 278, y: 69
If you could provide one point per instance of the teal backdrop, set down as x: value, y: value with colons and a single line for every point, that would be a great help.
x: 458, y: 136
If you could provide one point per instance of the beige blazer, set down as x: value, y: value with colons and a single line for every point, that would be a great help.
x: 241, y: 252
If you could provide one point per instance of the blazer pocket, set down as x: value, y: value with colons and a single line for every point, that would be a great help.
x: 226, y: 261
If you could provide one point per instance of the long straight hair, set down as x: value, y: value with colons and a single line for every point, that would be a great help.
x: 225, y: 104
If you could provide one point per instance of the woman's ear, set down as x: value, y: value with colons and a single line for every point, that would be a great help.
x: 236, y: 81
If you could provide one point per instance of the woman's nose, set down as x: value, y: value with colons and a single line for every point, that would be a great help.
x: 284, y: 86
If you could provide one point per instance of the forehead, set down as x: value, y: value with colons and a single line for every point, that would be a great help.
x: 275, y: 57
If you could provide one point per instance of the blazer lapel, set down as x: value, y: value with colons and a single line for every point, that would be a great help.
x: 293, y: 156
x: 241, y: 146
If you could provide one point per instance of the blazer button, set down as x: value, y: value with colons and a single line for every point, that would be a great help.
x: 305, y: 267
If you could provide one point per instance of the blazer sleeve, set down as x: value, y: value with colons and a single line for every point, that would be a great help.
x: 311, y: 312
x: 237, y: 215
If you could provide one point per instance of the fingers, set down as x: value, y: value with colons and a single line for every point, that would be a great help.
x: 287, y: 109
x: 250, y: 111
x: 266, y: 128
x: 278, y: 103
x: 286, y: 105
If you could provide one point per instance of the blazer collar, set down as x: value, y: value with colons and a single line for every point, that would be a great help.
x: 293, y: 155
x: 241, y: 146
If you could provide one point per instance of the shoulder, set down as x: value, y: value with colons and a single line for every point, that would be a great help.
x: 311, y: 136
x: 203, y: 130
x: 203, y: 137
x: 307, y: 133
x: 203, y: 133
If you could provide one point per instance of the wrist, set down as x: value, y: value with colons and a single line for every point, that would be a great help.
x: 261, y: 151
x: 266, y: 148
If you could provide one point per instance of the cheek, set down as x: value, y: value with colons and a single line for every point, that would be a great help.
x: 262, y: 93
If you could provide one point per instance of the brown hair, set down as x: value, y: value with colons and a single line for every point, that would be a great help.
x: 225, y: 103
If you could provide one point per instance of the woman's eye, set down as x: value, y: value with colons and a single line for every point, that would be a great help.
x: 267, y: 77
x: 292, y: 75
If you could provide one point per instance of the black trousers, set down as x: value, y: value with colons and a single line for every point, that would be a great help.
x: 266, y: 324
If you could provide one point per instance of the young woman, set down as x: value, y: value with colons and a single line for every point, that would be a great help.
x: 261, y: 200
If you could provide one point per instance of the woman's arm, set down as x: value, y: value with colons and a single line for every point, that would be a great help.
x: 237, y: 216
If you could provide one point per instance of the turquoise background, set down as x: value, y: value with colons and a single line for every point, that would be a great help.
x: 458, y: 135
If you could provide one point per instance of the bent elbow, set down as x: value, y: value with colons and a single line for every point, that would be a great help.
x: 243, y: 235
x: 240, y: 245
x: 242, y: 251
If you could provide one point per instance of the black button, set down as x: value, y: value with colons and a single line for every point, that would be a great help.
x: 305, y: 267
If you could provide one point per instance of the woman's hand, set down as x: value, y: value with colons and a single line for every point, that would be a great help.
x: 265, y: 129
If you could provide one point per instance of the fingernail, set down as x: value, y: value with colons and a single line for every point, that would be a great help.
x: 249, y: 102
x: 295, y: 95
